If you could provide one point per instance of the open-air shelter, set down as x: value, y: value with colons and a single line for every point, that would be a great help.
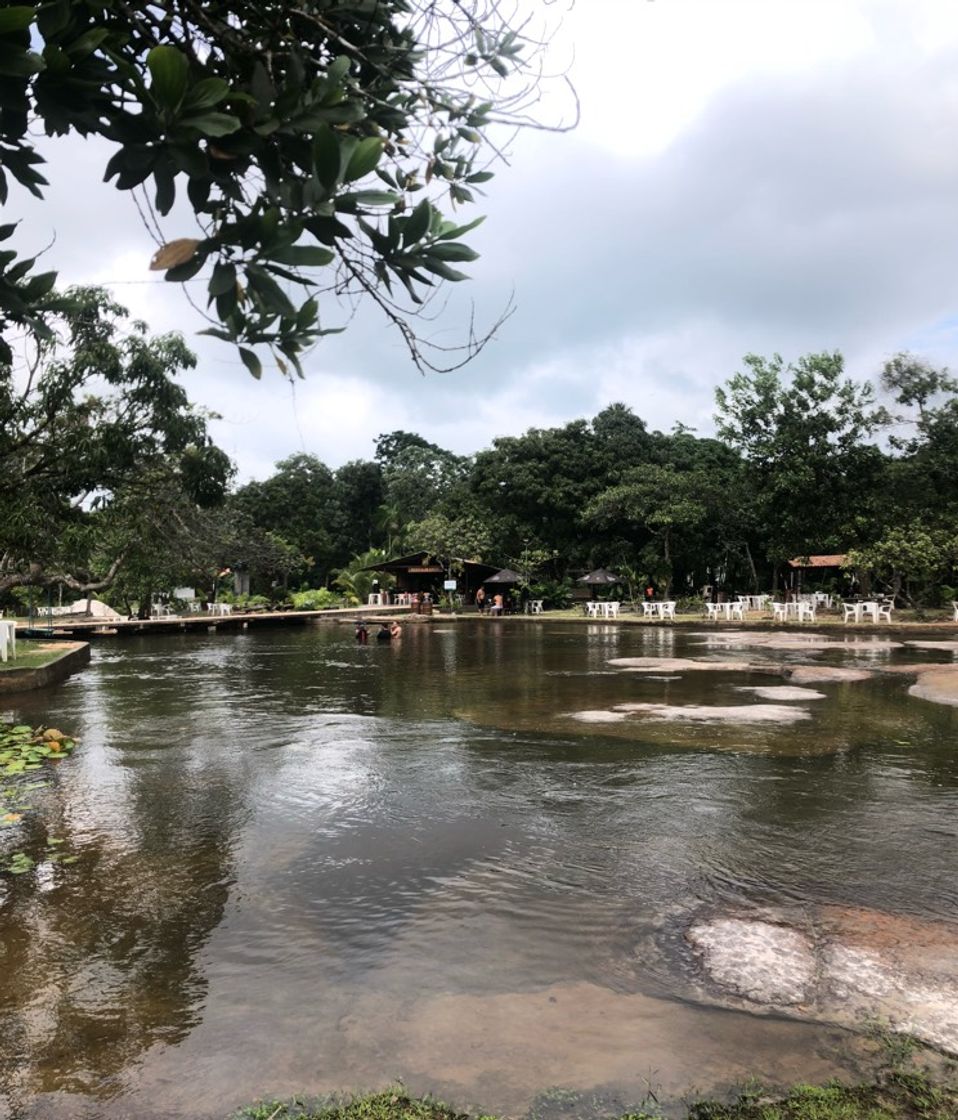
x: 601, y: 577
x: 422, y: 573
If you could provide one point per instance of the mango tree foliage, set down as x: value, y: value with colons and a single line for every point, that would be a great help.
x: 298, y: 504
x: 86, y: 427
x: 803, y: 431
x: 450, y: 539
x: 318, y: 145
x: 666, y: 503
x: 908, y: 559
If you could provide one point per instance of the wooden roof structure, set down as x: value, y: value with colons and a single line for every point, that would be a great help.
x: 833, y: 560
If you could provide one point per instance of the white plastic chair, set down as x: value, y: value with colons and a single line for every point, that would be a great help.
x: 779, y: 612
x: 712, y: 611
x: 612, y: 610
x: 806, y: 612
x: 592, y: 608
x: 954, y: 607
x: 851, y: 612
x: 884, y: 611
x: 737, y: 610
x: 667, y: 610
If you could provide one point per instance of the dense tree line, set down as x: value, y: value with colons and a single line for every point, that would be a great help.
x: 805, y: 461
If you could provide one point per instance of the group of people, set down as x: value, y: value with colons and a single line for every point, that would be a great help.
x: 497, y: 606
x: 386, y: 632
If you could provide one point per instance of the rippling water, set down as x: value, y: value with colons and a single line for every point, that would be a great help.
x: 306, y: 865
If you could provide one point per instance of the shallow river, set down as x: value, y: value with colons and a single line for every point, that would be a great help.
x: 307, y: 866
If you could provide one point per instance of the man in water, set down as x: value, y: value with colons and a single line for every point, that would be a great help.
x: 384, y: 634
x: 362, y: 634
x: 395, y: 630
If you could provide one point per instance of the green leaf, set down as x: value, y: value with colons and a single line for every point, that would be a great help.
x: 366, y: 155
x: 417, y: 224
x: 17, y: 18
x: 252, y: 362
x: 442, y: 269
x: 270, y: 293
x: 88, y: 42
x: 186, y: 271
x: 450, y: 232
x: 305, y: 256
x: 205, y: 94
x: 213, y: 124
x: 451, y: 251
x: 326, y: 157
x: 223, y: 279
x: 169, y: 70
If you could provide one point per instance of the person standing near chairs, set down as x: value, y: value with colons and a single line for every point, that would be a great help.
x: 481, y: 600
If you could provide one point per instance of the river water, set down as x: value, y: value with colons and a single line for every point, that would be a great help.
x: 308, y: 866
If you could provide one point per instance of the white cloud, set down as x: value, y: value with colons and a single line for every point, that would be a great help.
x: 749, y: 175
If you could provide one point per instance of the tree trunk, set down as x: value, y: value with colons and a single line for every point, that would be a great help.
x: 751, y: 568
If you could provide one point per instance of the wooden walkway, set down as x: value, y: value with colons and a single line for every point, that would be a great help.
x: 92, y: 628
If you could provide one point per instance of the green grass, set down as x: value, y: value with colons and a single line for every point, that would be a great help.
x: 895, y: 1095
x: 30, y: 655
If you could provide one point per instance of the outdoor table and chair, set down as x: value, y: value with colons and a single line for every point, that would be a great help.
x: 221, y: 609
x: 728, y: 611
x: 8, y: 639
x: 597, y: 609
x: 802, y: 610
x: 753, y: 602
x: 873, y: 610
x: 663, y: 609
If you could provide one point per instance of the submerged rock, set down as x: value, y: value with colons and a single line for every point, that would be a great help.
x: 814, y: 673
x: 837, y: 965
x: 763, y: 962
x: 688, y: 664
x: 782, y: 692
x: 731, y: 713
x: 598, y: 715
x: 938, y: 685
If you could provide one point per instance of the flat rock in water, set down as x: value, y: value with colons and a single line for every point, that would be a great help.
x: 732, y: 713
x: 598, y: 715
x: 764, y: 962
x: 813, y: 673
x: 940, y: 686
x: 841, y: 965
x: 930, y: 644
x: 687, y: 664
x: 782, y: 692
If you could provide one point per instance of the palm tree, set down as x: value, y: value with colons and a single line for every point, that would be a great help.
x: 356, y: 582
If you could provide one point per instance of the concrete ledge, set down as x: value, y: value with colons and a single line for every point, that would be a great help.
x: 73, y: 658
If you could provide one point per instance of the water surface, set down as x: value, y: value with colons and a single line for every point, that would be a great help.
x: 306, y: 865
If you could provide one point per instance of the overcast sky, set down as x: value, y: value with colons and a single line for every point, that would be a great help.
x: 748, y: 176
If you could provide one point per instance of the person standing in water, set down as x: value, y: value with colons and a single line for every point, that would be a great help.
x: 395, y: 630
x: 362, y: 634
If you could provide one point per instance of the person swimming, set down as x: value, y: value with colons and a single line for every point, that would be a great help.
x: 362, y: 634
x: 395, y: 630
x: 384, y: 634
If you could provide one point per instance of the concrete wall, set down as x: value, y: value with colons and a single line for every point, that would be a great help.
x: 72, y: 660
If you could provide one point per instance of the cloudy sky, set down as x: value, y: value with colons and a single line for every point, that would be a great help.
x: 748, y: 176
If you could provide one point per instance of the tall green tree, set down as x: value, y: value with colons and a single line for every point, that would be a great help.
x: 804, y: 431
x: 298, y: 504
x: 89, y: 423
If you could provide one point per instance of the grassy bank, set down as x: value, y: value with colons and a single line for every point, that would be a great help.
x: 32, y: 655
x: 895, y: 1095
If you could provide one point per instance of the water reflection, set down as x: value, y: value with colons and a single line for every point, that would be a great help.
x: 307, y: 865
